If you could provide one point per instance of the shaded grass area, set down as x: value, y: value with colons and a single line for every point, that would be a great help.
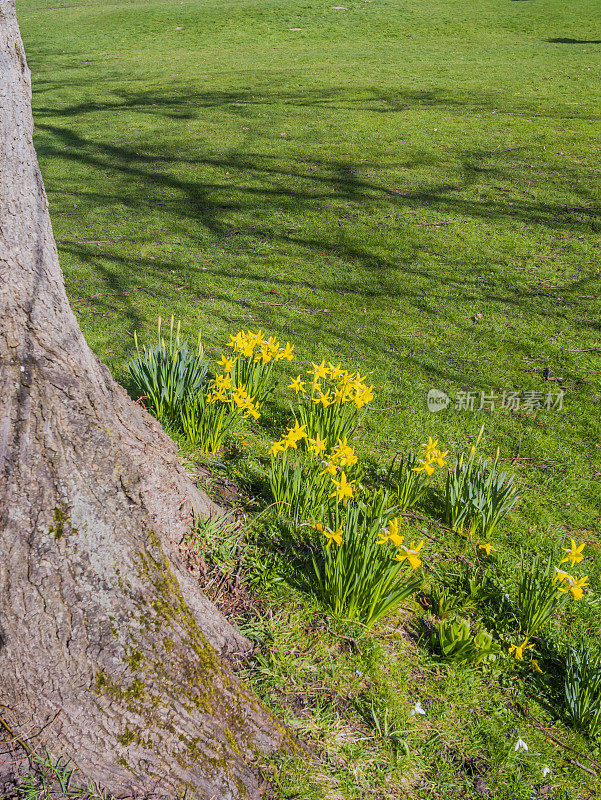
x: 412, y: 189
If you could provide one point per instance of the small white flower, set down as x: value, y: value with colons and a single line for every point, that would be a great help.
x: 545, y: 771
x: 417, y: 709
x: 520, y: 745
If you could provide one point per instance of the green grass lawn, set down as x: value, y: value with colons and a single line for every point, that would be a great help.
x: 409, y: 188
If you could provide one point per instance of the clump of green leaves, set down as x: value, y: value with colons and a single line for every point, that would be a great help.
x: 206, y: 419
x: 478, y: 495
x: 454, y: 641
x: 407, y: 485
x: 166, y: 374
x: 582, y: 689
x: 299, y: 484
x: 444, y: 601
x: 539, y: 594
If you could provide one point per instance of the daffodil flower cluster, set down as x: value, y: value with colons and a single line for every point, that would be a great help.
x: 295, y: 435
x: 409, y: 554
x: 331, y: 385
x: 252, y: 361
x: 330, y: 535
x: 253, y: 345
x: 344, y: 488
x: 330, y: 400
x: 358, y: 579
x: 304, y: 476
x: 208, y: 418
x: 432, y: 457
x: 408, y: 479
x: 520, y: 651
x: 544, y: 588
x: 223, y: 392
x: 566, y: 581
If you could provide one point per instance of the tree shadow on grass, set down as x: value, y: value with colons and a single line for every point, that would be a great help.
x: 192, y: 188
x: 565, y: 40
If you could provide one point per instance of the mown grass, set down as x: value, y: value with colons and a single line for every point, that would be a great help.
x: 412, y: 189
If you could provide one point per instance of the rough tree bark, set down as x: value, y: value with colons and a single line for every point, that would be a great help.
x: 102, y: 630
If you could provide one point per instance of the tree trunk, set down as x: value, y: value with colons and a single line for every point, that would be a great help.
x: 102, y: 630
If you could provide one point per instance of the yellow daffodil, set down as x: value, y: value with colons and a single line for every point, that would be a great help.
x: 294, y: 435
x: 226, y: 363
x: 272, y: 345
x: 264, y: 356
x: 562, y: 576
x: 237, y: 341
x: 318, y: 371
x: 344, y: 454
x: 393, y: 533
x: 222, y: 382
x: 340, y: 395
x: 397, y: 541
x: 518, y: 650
x: 330, y: 469
x: 410, y: 554
x: 574, y: 554
x: 425, y: 466
x: 439, y: 458
x: 363, y: 396
x: 317, y: 446
x: 245, y: 342
x: 239, y: 400
x: 576, y: 587
x: 297, y: 384
x: 486, y: 546
x: 535, y: 666
x: 286, y: 354
x: 430, y: 446
x: 325, y: 398
x: 344, y: 488
x: 334, y: 536
x: 335, y: 372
